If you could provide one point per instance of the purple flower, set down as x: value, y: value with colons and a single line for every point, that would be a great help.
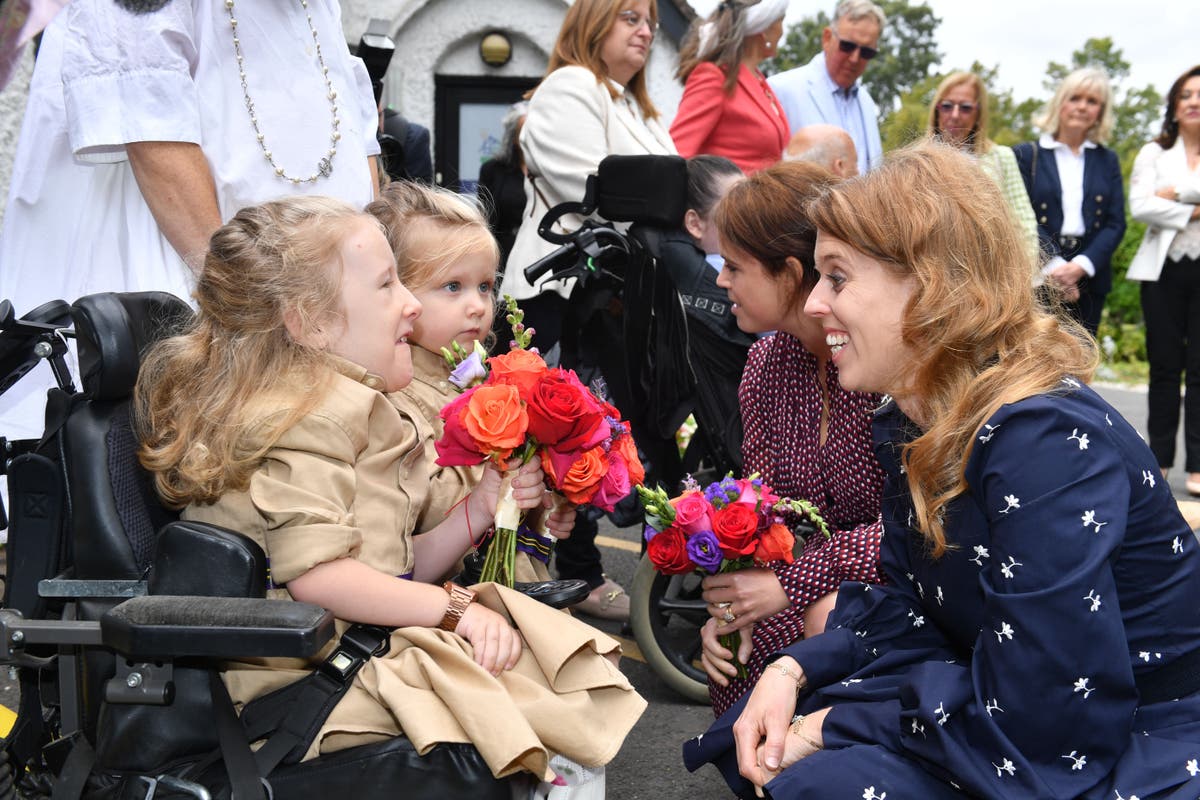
x: 723, y: 492
x: 470, y: 372
x: 705, y: 551
x: 649, y: 533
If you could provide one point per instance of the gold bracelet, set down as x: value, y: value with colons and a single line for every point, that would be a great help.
x: 779, y: 665
x: 798, y: 729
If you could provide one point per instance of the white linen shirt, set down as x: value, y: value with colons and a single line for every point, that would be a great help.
x: 76, y: 222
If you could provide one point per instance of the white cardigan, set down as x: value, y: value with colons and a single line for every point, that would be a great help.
x: 1153, y: 169
x: 573, y: 123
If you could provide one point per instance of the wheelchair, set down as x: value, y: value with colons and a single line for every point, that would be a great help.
x: 117, y: 615
x: 668, y: 366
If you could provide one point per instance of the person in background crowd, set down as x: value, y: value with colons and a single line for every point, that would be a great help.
x: 1164, y: 193
x: 502, y: 182
x: 958, y: 116
x: 592, y: 103
x: 805, y: 435
x: 145, y: 130
x: 829, y: 88
x: 826, y: 145
x: 1038, y: 634
x: 728, y: 108
x: 1077, y: 191
x: 410, y: 159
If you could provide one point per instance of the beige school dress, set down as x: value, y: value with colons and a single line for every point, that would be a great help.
x: 351, y: 480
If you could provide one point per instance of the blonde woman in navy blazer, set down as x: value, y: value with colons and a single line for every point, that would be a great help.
x: 728, y: 109
x: 1081, y: 216
x: 1164, y: 193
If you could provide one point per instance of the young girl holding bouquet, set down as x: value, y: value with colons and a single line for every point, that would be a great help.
x: 271, y: 415
x: 446, y: 255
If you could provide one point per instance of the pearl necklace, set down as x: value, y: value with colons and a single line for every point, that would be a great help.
x: 325, y: 165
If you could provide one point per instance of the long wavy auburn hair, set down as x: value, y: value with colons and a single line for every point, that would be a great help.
x: 581, y: 38
x: 210, y: 402
x: 978, y: 335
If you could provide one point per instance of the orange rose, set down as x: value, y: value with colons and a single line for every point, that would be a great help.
x: 579, y: 483
x: 495, y: 417
x: 520, y: 368
x: 775, y: 544
x: 628, y: 449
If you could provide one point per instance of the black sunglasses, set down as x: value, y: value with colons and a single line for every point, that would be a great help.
x: 849, y: 47
x: 947, y: 107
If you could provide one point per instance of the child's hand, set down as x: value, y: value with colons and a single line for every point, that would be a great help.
x: 497, y: 644
x: 561, y: 521
x: 529, y: 483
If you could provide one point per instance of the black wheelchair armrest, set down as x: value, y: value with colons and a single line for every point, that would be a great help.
x: 197, y: 558
x: 215, y: 627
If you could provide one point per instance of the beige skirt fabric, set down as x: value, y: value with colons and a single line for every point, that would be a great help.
x: 564, y: 696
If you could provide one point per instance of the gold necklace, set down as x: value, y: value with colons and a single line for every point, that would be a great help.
x: 325, y: 164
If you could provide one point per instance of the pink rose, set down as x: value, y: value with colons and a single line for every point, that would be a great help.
x: 615, y: 484
x: 692, y: 512
x: 457, y: 448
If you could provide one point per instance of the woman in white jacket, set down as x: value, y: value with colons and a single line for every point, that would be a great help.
x: 592, y: 103
x: 1164, y: 193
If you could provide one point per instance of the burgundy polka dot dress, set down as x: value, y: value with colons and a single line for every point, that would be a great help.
x: 781, y: 414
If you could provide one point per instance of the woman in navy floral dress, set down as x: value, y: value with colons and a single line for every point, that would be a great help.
x: 1040, y: 636
x: 804, y: 434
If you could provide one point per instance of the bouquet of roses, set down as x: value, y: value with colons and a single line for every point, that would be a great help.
x: 729, y: 525
x: 521, y: 407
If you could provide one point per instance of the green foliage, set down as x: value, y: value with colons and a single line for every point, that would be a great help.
x: 907, y: 50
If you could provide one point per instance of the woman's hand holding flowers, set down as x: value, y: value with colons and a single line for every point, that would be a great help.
x: 716, y: 659
x: 748, y: 595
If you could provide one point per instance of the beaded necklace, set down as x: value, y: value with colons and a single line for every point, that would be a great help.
x: 325, y: 164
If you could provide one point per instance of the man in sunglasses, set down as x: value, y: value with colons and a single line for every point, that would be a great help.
x: 828, y: 89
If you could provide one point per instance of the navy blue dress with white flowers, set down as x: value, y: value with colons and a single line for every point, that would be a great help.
x: 1011, y: 666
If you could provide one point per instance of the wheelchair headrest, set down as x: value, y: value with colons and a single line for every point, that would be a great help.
x: 113, y: 330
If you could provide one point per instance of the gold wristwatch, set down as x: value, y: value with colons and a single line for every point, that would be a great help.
x: 460, y: 598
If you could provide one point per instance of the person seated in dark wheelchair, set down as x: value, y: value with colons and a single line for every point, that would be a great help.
x: 805, y: 435
x: 276, y: 413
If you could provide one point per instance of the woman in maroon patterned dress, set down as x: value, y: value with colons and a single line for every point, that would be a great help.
x: 805, y: 435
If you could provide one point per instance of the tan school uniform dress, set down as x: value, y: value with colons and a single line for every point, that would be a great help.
x: 349, y: 480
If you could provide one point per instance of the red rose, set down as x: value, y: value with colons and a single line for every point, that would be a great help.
x: 668, y: 552
x: 776, y: 544
x: 563, y: 414
x: 692, y: 512
x: 456, y: 448
x: 520, y: 368
x: 735, y: 526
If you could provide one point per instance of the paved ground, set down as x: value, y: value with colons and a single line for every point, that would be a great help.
x: 649, y: 766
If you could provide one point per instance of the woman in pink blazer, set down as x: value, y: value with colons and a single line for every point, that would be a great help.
x: 727, y: 107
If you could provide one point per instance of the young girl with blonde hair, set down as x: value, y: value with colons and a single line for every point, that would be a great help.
x: 272, y: 415
x: 447, y: 256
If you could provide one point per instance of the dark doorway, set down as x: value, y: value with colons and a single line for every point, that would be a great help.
x: 467, y: 114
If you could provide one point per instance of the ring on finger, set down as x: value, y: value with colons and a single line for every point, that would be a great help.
x: 726, y: 604
x: 728, y: 616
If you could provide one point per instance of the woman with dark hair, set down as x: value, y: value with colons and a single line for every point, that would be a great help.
x: 727, y: 107
x: 592, y: 103
x: 1164, y: 193
x: 1038, y: 633
x: 805, y: 435
x: 958, y: 116
x: 1078, y: 196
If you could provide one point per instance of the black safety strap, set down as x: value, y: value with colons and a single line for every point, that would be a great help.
x: 244, y: 779
x: 72, y: 779
x: 289, y: 718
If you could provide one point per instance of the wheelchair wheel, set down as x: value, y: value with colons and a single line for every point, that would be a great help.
x: 666, y: 615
